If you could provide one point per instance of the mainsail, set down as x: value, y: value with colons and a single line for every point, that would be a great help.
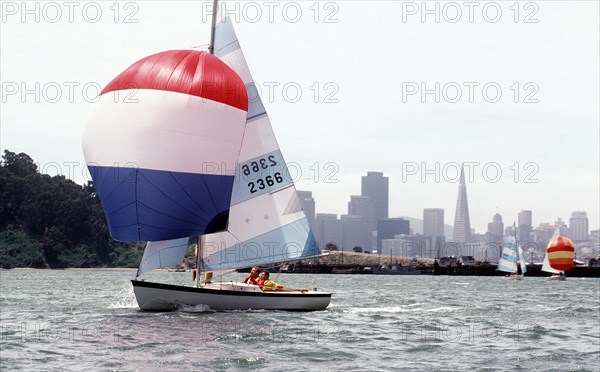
x: 163, y: 160
x: 266, y: 222
x: 509, y: 259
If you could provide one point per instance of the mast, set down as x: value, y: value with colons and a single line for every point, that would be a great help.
x: 199, y: 260
x: 518, y: 261
x: 211, y: 47
x: 200, y: 239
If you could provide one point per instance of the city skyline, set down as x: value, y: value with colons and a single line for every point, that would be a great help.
x: 513, y: 97
x: 521, y: 217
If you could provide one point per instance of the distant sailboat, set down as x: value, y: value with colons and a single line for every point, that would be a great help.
x: 559, y: 256
x: 196, y: 158
x: 512, y: 260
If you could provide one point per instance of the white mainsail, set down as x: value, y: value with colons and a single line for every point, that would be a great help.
x: 546, y: 265
x: 508, y: 260
x: 266, y: 222
x: 162, y: 254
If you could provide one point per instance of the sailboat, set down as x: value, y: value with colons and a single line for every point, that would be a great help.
x: 512, y: 260
x: 559, y: 256
x: 205, y: 105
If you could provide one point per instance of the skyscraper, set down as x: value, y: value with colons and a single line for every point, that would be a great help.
x: 308, y: 205
x: 328, y: 229
x: 363, y: 207
x: 433, y: 222
x: 355, y: 232
x: 390, y: 227
x: 496, y: 229
x: 525, y: 227
x: 462, y: 224
x: 578, y: 225
x: 376, y: 186
x: 433, y: 231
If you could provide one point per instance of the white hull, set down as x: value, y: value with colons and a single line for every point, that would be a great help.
x: 225, y: 296
x: 515, y: 277
x: 557, y: 277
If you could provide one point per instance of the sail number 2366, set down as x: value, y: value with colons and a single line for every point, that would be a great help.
x: 256, y: 166
x: 262, y: 183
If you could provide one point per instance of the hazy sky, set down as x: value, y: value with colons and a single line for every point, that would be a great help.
x: 510, y: 88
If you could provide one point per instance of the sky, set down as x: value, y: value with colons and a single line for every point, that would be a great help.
x: 510, y: 89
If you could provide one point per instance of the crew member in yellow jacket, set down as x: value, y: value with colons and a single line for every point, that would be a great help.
x: 267, y: 284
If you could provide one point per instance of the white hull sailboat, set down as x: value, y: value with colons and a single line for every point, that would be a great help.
x: 225, y: 296
x: 198, y: 118
x: 512, y: 260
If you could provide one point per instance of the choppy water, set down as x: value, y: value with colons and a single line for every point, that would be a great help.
x: 71, y: 320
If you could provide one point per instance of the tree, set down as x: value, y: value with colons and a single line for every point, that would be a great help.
x: 20, y: 165
x: 52, y: 221
x: 331, y: 247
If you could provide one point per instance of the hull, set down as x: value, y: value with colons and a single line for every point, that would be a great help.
x: 557, y: 277
x: 515, y: 277
x: 225, y: 296
x: 411, y: 271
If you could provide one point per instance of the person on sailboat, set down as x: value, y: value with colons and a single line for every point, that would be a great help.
x: 253, y: 277
x: 268, y: 284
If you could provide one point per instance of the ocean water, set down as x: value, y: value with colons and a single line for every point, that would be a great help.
x: 74, y: 320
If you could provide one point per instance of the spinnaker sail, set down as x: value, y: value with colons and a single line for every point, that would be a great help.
x: 560, y: 253
x: 163, y: 162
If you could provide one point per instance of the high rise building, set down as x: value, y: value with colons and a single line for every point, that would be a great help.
x: 355, y: 233
x: 328, y: 229
x: 562, y: 227
x: 578, y: 226
x: 462, y: 224
x: 363, y: 207
x: 390, y: 227
x: 525, y: 227
x: 376, y: 186
x: 496, y: 229
x: 433, y: 222
x: 308, y: 205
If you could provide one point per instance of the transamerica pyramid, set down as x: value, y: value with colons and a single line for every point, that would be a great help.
x: 462, y: 225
